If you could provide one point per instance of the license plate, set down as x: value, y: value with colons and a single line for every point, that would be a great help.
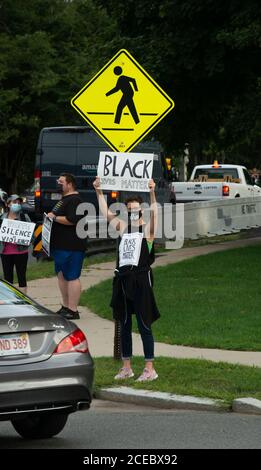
x: 56, y: 196
x: 11, y: 345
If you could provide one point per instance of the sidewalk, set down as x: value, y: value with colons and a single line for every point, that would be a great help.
x: 100, y: 332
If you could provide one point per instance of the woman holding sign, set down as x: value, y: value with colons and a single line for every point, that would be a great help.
x: 14, y: 254
x: 132, y: 284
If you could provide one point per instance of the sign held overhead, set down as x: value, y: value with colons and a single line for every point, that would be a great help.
x: 121, y: 172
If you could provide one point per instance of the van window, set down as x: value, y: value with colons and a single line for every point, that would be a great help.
x: 58, y: 159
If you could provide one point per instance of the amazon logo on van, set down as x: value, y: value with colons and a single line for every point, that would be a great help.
x: 89, y: 167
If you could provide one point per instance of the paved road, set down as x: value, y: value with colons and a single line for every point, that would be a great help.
x: 119, y: 426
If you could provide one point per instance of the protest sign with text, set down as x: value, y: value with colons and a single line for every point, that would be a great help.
x: 125, y: 171
x: 46, y: 233
x: 130, y: 248
x: 16, y: 231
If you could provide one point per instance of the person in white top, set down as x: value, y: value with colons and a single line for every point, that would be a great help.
x: 132, y: 284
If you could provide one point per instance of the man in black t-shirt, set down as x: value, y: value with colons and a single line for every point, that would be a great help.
x: 67, y: 248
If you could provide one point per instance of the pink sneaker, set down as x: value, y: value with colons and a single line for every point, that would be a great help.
x: 147, y: 374
x: 124, y: 373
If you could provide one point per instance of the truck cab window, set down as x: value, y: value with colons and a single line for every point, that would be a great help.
x: 248, y: 178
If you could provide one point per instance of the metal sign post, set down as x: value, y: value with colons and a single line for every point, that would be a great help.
x: 117, y: 323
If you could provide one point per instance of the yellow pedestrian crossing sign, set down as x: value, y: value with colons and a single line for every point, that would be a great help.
x: 122, y: 102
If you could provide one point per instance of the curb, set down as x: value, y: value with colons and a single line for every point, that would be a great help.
x: 247, y: 405
x: 160, y: 399
x: 182, y: 402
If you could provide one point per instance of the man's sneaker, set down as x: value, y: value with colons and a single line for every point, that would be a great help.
x: 124, y: 373
x: 70, y: 314
x: 62, y: 309
x: 147, y: 374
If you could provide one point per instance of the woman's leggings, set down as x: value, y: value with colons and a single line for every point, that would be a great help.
x: 20, y: 263
x: 126, y: 336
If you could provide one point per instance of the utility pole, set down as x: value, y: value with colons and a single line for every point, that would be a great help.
x: 186, y: 161
x: 183, y: 172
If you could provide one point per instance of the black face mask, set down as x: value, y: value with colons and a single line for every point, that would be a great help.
x: 133, y: 216
x: 59, y: 187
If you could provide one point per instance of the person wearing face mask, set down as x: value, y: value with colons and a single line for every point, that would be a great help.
x: 13, y: 254
x: 67, y: 249
x: 133, y: 282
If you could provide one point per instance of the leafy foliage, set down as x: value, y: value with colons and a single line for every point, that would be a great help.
x: 205, y: 54
x: 48, y: 49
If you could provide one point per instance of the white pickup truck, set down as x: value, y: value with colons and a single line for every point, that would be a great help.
x: 217, y: 181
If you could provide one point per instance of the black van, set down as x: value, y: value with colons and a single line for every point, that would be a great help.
x: 76, y: 150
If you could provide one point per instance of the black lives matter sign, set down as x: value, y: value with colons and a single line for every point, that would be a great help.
x: 125, y: 172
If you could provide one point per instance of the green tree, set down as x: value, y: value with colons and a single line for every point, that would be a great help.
x: 206, y: 54
x: 48, y: 50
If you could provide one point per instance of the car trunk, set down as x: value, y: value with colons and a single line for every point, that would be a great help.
x: 28, y: 333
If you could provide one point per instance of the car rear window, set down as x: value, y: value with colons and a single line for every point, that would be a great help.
x: 216, y: 173
x: 10, y: 295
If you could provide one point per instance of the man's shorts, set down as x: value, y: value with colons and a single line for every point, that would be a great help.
x: 69, y: 263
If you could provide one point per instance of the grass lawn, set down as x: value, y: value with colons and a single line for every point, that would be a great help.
x: 208, y: 301
x: 187, y: 377
x: 43, y: 269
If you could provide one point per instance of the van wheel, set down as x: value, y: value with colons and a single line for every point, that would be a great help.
x: 237, y: 195
x: 40, y: 426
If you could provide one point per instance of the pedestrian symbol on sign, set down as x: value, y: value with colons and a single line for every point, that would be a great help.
x: 124, y: 84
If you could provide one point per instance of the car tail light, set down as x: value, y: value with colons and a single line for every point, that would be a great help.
x: 37, y: 183
x: 75, y: 342
x: 225, y: 190
x: 114, y: 194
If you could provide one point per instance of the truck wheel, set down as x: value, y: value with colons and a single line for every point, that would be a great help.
x: 40, y: 426
x: 237, y: 195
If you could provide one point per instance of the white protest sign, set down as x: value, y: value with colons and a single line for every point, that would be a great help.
x: 16, y: 231
x: 46, y: 234
x: 129, y: 249
x: 125, y: 171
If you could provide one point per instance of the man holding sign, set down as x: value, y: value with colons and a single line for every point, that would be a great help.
x: 132, y: 284
x: 15, y: 237
x: 67, y: 249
